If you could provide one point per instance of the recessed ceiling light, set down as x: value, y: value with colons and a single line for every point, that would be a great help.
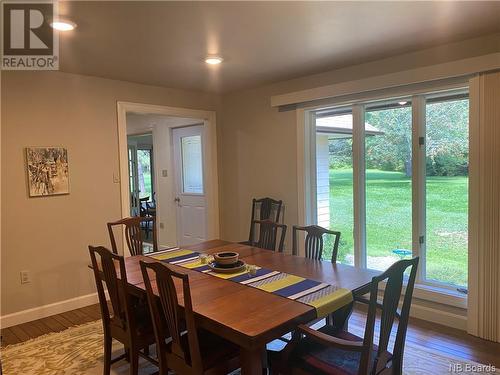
x: 402, y: 103
x: 63, y: 25
x: 214, y: 60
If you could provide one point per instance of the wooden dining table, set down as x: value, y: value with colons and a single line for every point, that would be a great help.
x: 250, y: 317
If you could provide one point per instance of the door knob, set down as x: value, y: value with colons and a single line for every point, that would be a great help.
x: 177, y: 199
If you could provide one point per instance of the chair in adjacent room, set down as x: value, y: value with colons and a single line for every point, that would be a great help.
x: 187, y: 349
x: 133, y: 234
x: 268, y: 235
x: 128, y: 321
x: 331, y: 350
x: 314, y: 241
x: 264, y: 209
x: 146, y: 225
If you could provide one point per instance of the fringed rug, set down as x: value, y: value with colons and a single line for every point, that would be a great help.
x: 78, y: 351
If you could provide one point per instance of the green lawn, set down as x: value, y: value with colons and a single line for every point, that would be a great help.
x: 389, y: 223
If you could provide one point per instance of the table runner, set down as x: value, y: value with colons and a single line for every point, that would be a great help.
x: 325, y: 298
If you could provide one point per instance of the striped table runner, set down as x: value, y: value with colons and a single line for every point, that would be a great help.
x: 325, y: 298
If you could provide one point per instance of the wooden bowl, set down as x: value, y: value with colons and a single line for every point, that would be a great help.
x: 226, y: 257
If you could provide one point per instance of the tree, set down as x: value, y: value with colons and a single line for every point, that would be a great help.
x: 392, y: 150
x: 446, y: 140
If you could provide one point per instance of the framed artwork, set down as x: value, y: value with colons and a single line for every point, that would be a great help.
x: 47, y: 169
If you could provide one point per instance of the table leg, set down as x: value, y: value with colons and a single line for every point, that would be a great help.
x: 341, y: 317
x: 251, y: 361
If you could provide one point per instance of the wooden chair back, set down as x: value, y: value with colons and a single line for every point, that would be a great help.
x: 264, y: 209
x: 106, y: 263
x: 133, y: 234
x: 393, y: 277
x: 168, y: 317
x: 268, y: 235
x: 314, y: 243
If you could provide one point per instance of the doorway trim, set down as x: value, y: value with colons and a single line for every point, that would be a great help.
x: 209, y: 152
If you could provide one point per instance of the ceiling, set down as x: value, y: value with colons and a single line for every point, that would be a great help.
x: 164, y: 43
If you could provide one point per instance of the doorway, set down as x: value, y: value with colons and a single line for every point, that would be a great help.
x: 169, y: 156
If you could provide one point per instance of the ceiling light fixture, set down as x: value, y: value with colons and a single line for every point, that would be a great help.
x: 402, y: 103
x: 213, y: 60
x: 63, y: 25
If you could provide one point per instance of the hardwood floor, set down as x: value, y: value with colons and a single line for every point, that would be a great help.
x: 442, y: 340
x: 55, y: 323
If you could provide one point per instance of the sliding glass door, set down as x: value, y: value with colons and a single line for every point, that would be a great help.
x: 388, y: 162
x: 410, y: 157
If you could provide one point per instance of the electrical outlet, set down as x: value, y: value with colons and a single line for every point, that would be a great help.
x: 164, y: 173
x: 162, y: 226
x: 25, y: 277
x: 116, y: 178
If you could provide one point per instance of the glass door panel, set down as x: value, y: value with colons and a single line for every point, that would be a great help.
x: 144, y: 167
x: 133, y: 180
x: 447, y: 183
x: 334, y: 182
x: 192, y: 168
x: 388, y: 155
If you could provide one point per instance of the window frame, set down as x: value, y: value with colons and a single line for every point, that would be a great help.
x: 430, y: 290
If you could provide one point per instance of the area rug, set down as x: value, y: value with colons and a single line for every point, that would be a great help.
x: 78, y: 351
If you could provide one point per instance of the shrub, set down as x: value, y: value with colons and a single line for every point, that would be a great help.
x: 447, y: 165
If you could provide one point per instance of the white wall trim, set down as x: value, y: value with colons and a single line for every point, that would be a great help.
x: 359, y: 184
x: 474, y: 204
x: 418, y: 181
x: 302, y: 167
x: 47, y: 310
x: 210, y: 155
x: 306, y: 167
x: 444, y: 318
x: 464, y: 67
x: 433, y: 313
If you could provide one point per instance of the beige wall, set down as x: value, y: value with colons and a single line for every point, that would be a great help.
x: 258, y: 144
x: 49, y: 236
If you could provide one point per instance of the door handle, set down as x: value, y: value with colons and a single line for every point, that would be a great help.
x: 177, y: 199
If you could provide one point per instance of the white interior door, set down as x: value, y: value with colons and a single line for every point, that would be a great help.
x: 189, y: 187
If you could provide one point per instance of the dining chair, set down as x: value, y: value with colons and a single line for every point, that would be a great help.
x: 143, y: 212
x: 268, y: 235
x: 149, y: 211
x: 128, y: 321
x: 264, y: 209
x: 314, y: 243
x: 133, y: 234
x: 331, y: 350
x: 181, y: 346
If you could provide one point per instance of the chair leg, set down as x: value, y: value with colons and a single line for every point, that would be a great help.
x: 127, y: 354
x: 134, y: 361
x: 107, y: 355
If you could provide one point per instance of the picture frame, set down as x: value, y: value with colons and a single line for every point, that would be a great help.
x: 47, y: 171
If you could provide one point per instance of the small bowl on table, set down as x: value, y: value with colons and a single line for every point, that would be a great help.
x: 226, y: 258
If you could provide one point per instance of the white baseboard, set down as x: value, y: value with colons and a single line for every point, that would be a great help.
x: 444, y: 318
x: 47, y: 310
